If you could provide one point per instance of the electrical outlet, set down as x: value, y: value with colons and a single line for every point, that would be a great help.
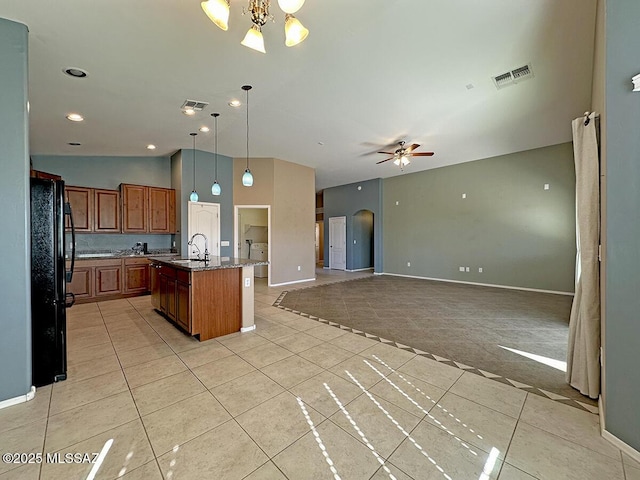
x: 397, y: 203
x: 247, y: 282
x: 174, y: 244
x: 298, y: 267
x: 461, y: 269
x: 408, y: 264
x: 546, y: 186
x: 464, y: 195
x: 479, y: 269
x: 466, y: 269
x: 354, y: 242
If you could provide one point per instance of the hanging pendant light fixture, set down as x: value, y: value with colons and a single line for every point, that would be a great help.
x: 218, y: 12
x: 290, y: 6
x: 194, y: 195
x: 294, y: 31
x: 215, y: 188
x: 247, y: 178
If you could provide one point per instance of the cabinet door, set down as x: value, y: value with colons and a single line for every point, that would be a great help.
x: 171, y: 298
x: 154, y: 285
x: 134, y: 208
x: 159, y: 210
x: 183, y: 310
x: 108, y: 280
x: 136, y: 278
x: 106, y: 218
x: 162, y: 286
x: 82, y: 284
x: 81, y: 200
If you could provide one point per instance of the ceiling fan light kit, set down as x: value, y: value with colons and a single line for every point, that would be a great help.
x: 295, y: 32
x: 402, y: 156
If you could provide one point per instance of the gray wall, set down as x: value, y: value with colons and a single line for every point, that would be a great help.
x: 622, y: 307
x: 347, y: 200
x: 182, y: 171
x: 106, y: 172
x: 109, y: 173
x: 519, y: 234
x: 15, y: 274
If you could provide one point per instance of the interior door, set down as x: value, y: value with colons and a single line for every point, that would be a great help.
x: 204, y: 218
x: 338, y: 243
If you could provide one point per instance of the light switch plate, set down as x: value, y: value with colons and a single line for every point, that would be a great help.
x: 247, y: 282
x: 224, y: 243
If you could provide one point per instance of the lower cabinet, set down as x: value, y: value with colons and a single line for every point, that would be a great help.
x: 173, y: 294
x: 95, y: 280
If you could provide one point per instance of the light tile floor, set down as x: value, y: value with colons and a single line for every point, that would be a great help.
x: 295, y: 400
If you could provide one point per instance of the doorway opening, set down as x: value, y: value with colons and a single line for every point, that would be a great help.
x: 362, y: 257
x: 319, y: 243
x: 253, y: 236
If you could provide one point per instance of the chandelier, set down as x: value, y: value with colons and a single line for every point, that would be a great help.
x: 294, y: 31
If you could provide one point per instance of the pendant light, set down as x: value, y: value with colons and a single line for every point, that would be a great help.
x: 247, y: 178
x: 290, y: 6
x: 215, y: 188
x: 294, y: 31
x: 194, y: 195
x: 218, y: 12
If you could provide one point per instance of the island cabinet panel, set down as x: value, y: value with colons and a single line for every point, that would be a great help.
x: 183, y: 305
x: 216, y: 302
x: 82, y: 283
x: 134, y: 208
x: 108, y: 278
x: 154, y: 284
x: 81, y: 200
x: 136, y: 275
x: 106, y: 211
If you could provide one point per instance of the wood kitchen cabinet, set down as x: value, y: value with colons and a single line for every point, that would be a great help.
x: 82, y: 283
x: 81, y: 200
x: 183, y: 300
x: 134, y: 208
x: 108, y: 277
x: 136, y: 275
x: 106, y: 217
x: 148, y: 209
x: 154, y: 284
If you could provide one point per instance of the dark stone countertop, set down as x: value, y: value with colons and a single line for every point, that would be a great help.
x: 215, y: 263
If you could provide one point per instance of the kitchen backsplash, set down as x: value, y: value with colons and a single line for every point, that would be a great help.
x: 94, y: 242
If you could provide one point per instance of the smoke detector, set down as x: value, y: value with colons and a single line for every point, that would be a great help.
x: 513, y: 76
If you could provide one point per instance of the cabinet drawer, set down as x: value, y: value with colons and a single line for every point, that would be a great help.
x: 137, y: 261
x: 167, y: 271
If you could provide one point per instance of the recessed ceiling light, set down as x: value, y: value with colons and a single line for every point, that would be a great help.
x: 235, y: 103
x: 204, y: 129
x: 75, y: 117
x: 75, y: 72
x: 189, y: 111
x: 74, y: 144
x: 151, y: 147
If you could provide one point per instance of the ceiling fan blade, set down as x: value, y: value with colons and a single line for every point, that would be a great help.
x: 411, y: 148
x: 385, y: 160
x: 422, y: 154
x: 388, y: 153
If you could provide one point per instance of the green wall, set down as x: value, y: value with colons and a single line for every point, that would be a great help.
x: 622, y: 324
x: 519, y: 234
x: 15, y: 274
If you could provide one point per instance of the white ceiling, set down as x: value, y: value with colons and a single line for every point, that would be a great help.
x: 370, y: 73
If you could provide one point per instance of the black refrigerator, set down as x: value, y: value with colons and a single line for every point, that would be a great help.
x: 49, y: 299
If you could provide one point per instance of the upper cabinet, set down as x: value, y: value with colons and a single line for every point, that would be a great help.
x: 106, y: 217
x: 148, y: 209
x: 81, y: 200
x: 94, y: 210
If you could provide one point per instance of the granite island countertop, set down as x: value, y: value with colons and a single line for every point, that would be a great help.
x: 214, y: 263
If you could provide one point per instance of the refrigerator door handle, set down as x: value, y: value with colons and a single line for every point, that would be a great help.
x: 69, y: 274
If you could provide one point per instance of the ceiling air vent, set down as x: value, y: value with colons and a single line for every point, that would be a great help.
x: 194, y: 105
x: 512, y: 77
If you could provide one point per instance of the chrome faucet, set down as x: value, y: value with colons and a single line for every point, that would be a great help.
x: 206, y: 245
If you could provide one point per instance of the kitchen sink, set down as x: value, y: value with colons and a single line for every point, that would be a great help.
x: 180, y: 261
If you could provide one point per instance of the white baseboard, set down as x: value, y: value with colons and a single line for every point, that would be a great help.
x: 360, y: 269
x: 616, y: 442
x: 508, y: 287
x: 291, y: 283
x: 248, y: 329
x: 19, y: 399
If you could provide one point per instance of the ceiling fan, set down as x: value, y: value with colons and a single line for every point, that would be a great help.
x: 401, y: 156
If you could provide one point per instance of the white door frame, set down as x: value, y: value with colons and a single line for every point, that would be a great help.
x: 236, y: 236
x: 214, y: 250
x: 345, y: 243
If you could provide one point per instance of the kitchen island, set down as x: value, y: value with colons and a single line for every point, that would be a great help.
x: 206, y: 299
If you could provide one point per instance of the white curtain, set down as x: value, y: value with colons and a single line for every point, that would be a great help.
x: 583, y: 353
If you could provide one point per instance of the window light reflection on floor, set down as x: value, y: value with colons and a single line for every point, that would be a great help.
x: 359, y: 431
x: 100, y: 459
x: 550, y: 362
x: 395, y: 422
x: 489, y: 464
